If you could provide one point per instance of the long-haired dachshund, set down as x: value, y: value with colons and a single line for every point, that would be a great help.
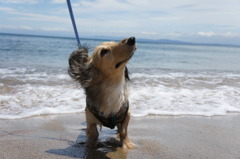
x: 104, y: 77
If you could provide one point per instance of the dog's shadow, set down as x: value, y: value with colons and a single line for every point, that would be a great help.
x: 107, y: 147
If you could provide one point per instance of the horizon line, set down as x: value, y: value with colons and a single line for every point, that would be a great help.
x: 161, y: 41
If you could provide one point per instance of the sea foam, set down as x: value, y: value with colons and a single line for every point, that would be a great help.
x: 28, y: 92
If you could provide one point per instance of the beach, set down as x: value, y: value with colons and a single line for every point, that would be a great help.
x: 174, y: 65
x: 167, y: 137
x: 184, y: 102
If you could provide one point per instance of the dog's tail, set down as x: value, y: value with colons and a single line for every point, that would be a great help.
x: 78, y: 63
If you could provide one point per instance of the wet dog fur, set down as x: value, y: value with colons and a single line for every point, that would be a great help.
x: 104, y: 77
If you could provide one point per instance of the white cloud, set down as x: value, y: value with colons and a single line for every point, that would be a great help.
x: 16, y: 27
x: 230, y: 34
x: 33, y: 16
x: 212, y: 34
x: 156, y: 16
x: 20, y: 1
x: 56, y: 29
x: 24, y: 27
x: 7, y: 27
x: 206, y: 34
x: 154, y: 19
x: 58, y: 1
x: 7, y: 9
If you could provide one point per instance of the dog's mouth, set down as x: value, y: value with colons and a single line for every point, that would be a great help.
x: 120, y: 63
x: 124, y: 61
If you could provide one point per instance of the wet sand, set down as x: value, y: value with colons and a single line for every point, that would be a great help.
x: 166, y: 137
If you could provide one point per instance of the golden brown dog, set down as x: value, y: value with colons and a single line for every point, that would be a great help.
x: 104, y: 77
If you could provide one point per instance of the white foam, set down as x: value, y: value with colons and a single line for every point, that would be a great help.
x: 32, y: 100
x: 12, y: 70
x: 196, y: 96
x: 169, y: 93
x: 31, y: 75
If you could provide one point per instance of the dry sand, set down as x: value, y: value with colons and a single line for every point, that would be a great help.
x: 164, y: 137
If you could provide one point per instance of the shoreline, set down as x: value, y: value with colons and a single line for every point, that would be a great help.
x: 62, y: 136
x: 146, y: 116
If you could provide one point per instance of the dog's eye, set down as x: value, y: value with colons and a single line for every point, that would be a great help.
x: 103, y: 52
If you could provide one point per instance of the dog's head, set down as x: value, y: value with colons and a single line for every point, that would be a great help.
x: 110, y: 57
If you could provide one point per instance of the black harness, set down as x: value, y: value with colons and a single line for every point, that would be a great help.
x: 113, y: 119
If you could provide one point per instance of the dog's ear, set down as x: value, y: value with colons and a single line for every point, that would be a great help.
x: 78, y: 63
x: 81, y: 68
x: 127, y: 74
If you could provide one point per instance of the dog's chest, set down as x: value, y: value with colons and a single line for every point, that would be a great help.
x: 115, y: 96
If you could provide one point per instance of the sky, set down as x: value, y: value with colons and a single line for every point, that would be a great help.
x: 199, y: 21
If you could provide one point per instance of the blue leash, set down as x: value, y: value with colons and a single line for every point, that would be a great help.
x: 73, y: 23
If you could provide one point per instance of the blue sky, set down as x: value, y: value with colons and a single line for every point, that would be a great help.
x: 204, y: 21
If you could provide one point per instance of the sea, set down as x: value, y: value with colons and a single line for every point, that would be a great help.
x: 167, y: 79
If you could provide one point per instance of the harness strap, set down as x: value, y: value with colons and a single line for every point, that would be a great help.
x: 112, y: 120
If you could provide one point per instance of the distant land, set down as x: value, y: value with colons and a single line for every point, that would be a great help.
x: 161, y: 41
x: 108, y: 38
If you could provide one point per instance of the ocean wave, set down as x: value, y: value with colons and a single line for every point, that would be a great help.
x: 31, y: 100
x: 27, y: 92
x: 166, y: 79
x: 164, y: 100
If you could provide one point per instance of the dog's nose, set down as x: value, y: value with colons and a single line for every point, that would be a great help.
x: 131, y: 41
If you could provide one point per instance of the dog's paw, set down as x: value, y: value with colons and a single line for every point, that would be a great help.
x: 128, y: 144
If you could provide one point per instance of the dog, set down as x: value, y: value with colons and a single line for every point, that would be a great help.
x: 105, y: 79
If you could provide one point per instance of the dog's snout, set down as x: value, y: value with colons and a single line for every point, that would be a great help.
x: 131, y: 41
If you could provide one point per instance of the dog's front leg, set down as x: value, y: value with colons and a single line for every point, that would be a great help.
x: 122, y: 130
x: 92, y: 135
x: 92, y: 132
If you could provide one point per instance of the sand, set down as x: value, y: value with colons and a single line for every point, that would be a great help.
x: 165, y: 137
